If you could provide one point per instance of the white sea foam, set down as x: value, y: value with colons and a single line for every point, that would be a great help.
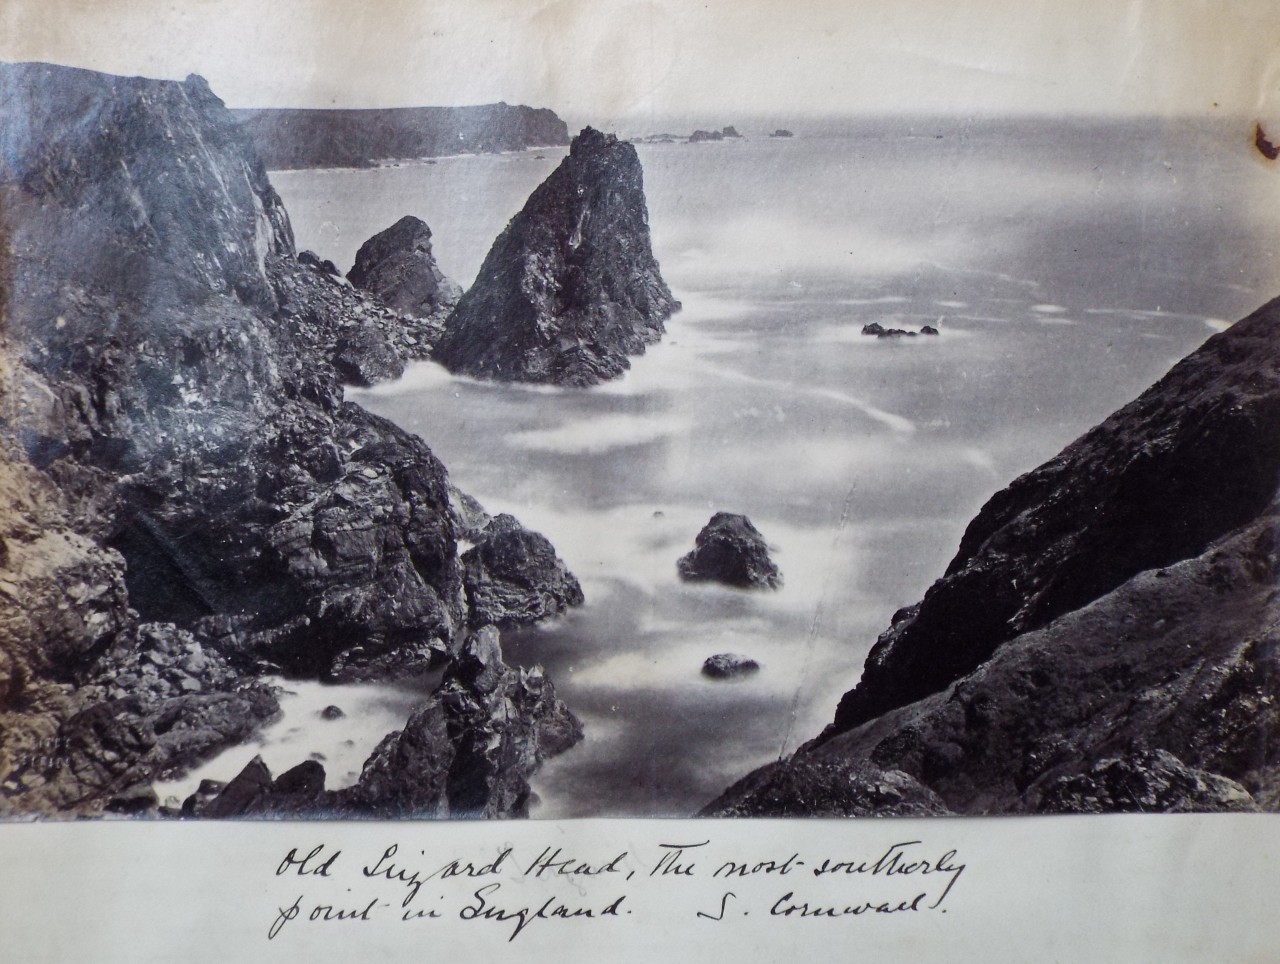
x: 600, y: 433
x: 342, y: 745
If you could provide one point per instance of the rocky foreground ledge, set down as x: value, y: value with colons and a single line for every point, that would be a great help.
x: 1104, y: 640
x: 190, y: 503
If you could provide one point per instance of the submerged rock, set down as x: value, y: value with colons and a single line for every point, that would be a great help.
x: 729, y: 549
x: 398, y: 267
x: 570, y: 289
x: 513, y: 575
x: 729, y: 666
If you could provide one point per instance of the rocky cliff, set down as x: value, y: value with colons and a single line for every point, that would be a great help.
x: 1105, y: 637
x: 358, y: 138
x: 191, y: 502
x: 570, y: 289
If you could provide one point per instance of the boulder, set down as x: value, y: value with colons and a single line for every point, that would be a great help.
x: 570, y: 290
x: 397, y: 266
x: 730, y: 550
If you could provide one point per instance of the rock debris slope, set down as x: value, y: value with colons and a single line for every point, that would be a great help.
x: 190, y: 502
x: 1106, y: 637
x: 571, y: 288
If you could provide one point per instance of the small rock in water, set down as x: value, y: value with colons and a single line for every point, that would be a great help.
x: 730, y: 550
x: 332, y: 713
x: 729, y: 666
x: 928, y: 330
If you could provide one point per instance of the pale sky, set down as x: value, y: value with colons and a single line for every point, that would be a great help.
x: 607, y: 61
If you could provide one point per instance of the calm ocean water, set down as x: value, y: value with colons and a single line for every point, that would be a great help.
x: 1068, y: 266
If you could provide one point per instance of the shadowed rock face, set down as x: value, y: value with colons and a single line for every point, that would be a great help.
x: 571, y: 288
x: 397, y: 266
x: 190, y: 500
x: 1106, y: 637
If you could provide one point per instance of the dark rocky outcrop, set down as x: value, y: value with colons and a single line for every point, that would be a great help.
x: 1105, y: 637
x: 571, y: 288
x: 729, y: 666
x: 729, y: 549
x: 700, y: 136
x: 190, y: 501
x: 730, y: 131
x: 300, y: 138
x: 468, y: 752
x: 512, y: 575
x: 398, y: 267
x: 782, y: 132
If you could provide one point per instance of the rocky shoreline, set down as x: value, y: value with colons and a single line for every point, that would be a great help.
x: 193, y: 504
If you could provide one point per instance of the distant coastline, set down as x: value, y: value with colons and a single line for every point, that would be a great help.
x: 301, y: 138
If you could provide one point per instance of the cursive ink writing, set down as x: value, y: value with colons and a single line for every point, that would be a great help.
x: 551, y: 909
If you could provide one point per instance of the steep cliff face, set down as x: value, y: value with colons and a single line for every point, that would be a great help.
x: 162, y: 220
x: 188, y: 484
x: 571, y: 288
x: 1191, y: 460
x: 1106, y: 636
x: 357, y: 138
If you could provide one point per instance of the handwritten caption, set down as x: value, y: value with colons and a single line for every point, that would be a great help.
x: 514, y: 892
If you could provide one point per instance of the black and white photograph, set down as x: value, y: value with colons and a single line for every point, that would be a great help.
x: 553, y: 410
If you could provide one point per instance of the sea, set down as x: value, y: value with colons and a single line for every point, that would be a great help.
x: 1068, y: 263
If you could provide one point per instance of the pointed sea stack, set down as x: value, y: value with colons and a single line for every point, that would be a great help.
x: 571, y: 288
